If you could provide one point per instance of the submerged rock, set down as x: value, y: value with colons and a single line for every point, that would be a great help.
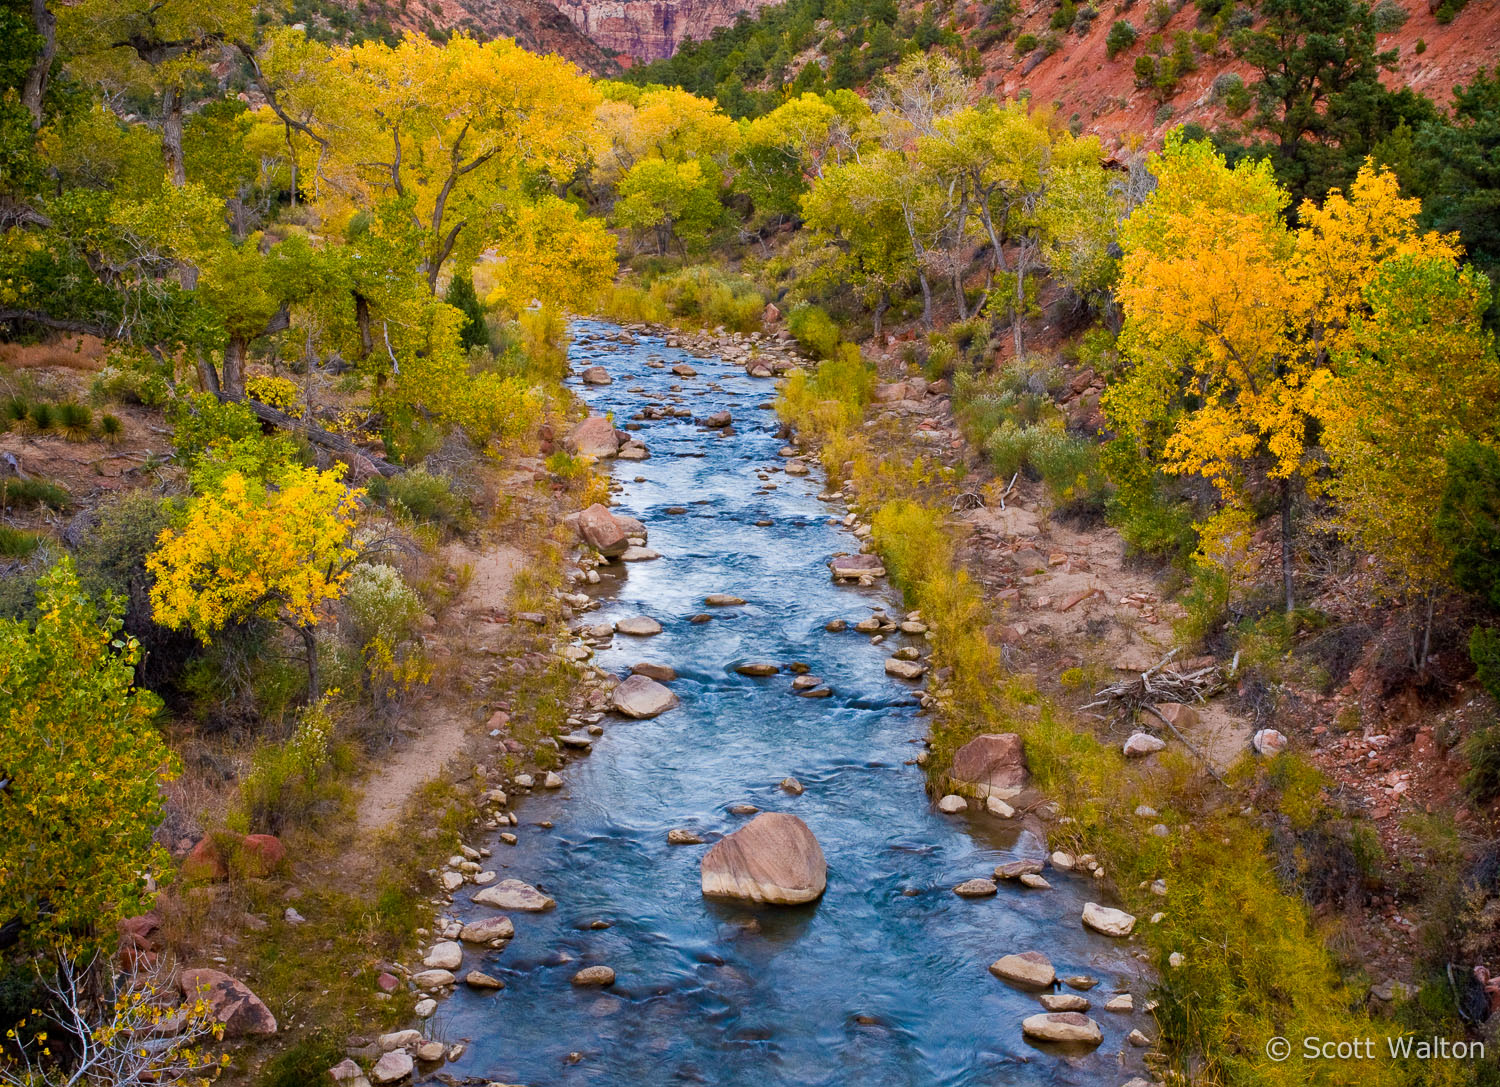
x: 773, y: 859
x: 596, y: 375
x: 594, y: 975
x: 854, y: 567
x: 487, y: 931
x: 639, y: 626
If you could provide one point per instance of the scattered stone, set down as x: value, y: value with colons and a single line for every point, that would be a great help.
x: 1062, y: 860
x: 444, y: 956
x: 901, y: 669
x: 487, y: 931
x: 400, y: 1039
x: 682, y: 369
x: 743, y: 809
x: 816, y: 692
x: 512, y: 894
x: 1062, y: 1027
x: 639, y: 554
x: 640, y: 697
x: 722, y: 600
x: 431, y: 1052
x: 772, y: 859
x: 836, y: 626
x: 1268, y: 742
x: 718, y: 420
x: 1064, y: 1002
x: 991, y: 765
x: 638, y: 626
x: 594, y: 975
x: 1106, y: 920
x: 432, y: 979
x: 392, y: 1067
x: 1035, y: 882
x: 602, y: 531
x: 551, y: 781
x: 597, y: 375
x: 1176, y: 959
x: 348, y: 1074
x: 478, y: 979
x: 292, y: 917
x: 229, y: 1000
x: 855, y: 567
x: 1179, y: 714
x: 1142, y: 744
x: 1124, y: 1002
x: 995, y: 806
x: 425, y: 1009
x: 662, y: 673
x: 806, y: 683
x: 757, y: 668
x: 1082, y: 982
x: 683, y: 836
x: 1137, y: 1039
x: 952, y: 804
x: 791, y: 785
x: 975, y: 888
x: 1145, y: 811
x: 594, y: 437
x: 1017, y: 869
x: 1027, y: 968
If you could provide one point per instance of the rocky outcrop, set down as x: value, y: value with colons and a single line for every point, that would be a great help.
x: 773, y: 859
x: 653, y: 29
x: 603, y: 531
x: 990, y: 765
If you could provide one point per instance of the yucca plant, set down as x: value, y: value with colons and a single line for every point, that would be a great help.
x: 111, y: 428
x: 76, y: 421
x: 14, y: 411
x: 43, y: 417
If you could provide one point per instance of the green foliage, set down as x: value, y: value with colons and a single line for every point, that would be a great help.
x: 1206, y: 603
x: 215, y: 437
x: 1468, y: 519
x: 132, y: 377
x: 85, y: 764
x: 1448, y: 10
x: 19, y: 493
x: 673, y: 201
x: 1121, y: 37
x: 473, y: 332
x: 75, y: 421
x: 814, y: 330
x: 16, y: 543
x: 1025, y: 43
x: 423, y: 497
x: 286, y: 784
x: 1482, y: 750
x: 1484, y: 651
x: 698, y: 296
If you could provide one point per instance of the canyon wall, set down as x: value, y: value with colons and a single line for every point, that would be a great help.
x: 652, y: 29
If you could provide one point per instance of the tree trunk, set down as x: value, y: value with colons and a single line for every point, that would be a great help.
x: 1020, y: 303
x: 926, y: 298
x: 881, y: 305
x: 1286, y: 545
x: 232, y: 375
x: 171, y: 135
x: 35, y: 91
x: 310, y: 647
x: 362, y: 319
x: 958, y: 293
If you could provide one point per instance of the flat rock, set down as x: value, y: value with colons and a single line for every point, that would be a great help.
x: 1017, y: 869
x: 1064, y: 1002
x: 854, y: 567
x: 639, y: 626
x: 1141, y: 744
x: 1106, y: 920
x: 447, y: 955
x: 1035, y: 882
x: 641, y: 697
x: 432, y: 979
x: 1062, y: 1027
x: 478, y: 979
x: 975, y: 888
x: 392, y: 1067
x: 399, y: 1039
x: 594, y: 975
x: 229, y: 1000
x: 1123, y: 1002
x: 1028, y: 968
x: 991, y: 765
x: 596, y: 375
x: 682, y: 836
x: 602, y: 531
x: 722, y: 600
x: 639, y: 554
x: 512, y: 894
x: 663, y: 673
x: 773, y: 859
x: 757, y: 668
x: 904, y: 669
x: 1179, y: 714
x: 487, y: 931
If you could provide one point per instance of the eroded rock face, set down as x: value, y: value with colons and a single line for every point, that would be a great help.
x: 653, y: 29
x: 231, y: 1001
x: 773, y: 859
x: 991, y: 765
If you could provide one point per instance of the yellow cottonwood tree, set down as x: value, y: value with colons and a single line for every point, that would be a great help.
x: 251, y: 550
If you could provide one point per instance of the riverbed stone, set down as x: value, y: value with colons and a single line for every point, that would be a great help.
x: 594, y: 975
x: 773, y: 859
x: 1064, y: 1002
x: 683, y: 836
x: 594, y: 437
x: 993, y: 764
x: 392, y: 1067
x: 997, y: 807
x: 757, y: 668
x: 903, y: 669
x: 975, y: 888
x: 1121, y: 1002
x: 512, y: 894
x: 855, y: 567
x: 399, y: 1039
x: 722, y: 600
x: 447, y: 955
x: 1035, y: 882
x: 662, y: 673
x: 641, y: 697
x: 1031, y: 969
x: 432, y: 979
x: 478, y: 979
x: 1062, y: 1027
x: 1017, y: 869
x: 638, y: 626
x: 1141, y: 744
x: 1107, y: 920
x: 634, y: 553
x: 596, y: 375
x: 602, y: 531
x: 836, y: 626
x: 487, y: 930
x: 792, y: 786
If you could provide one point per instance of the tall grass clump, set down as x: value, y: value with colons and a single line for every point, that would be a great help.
x: 695, y: 297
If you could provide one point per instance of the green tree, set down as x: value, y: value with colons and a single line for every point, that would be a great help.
x: 474, y: 333
x: 673, y: 201
x: 81, y: 767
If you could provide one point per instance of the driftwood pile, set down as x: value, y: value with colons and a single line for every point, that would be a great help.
x: 1144, y: 692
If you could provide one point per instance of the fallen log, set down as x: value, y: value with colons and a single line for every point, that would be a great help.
x: 336, y: 444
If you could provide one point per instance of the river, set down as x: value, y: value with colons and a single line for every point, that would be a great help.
x: 882, y: 982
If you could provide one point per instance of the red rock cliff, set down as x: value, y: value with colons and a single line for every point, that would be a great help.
x: 652, y: 29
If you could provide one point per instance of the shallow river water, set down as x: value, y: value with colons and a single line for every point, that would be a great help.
x: 883, y: 982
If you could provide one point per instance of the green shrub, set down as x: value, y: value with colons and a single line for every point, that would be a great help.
x: 378, y: 604
x: 111, y: 428
x: 285, y: 784
x: 14, y: 411
x: 1484, y: 651
x: 1025, y: 43
x: 17, y: 543
x: 76, y: 421
x: 1482, y: 750
x: 42, y: 417
x: 132, y: 377
x: 1207, y: 603
x: 1009, y: 448
x: 1468, y: 519
x: 1121, y: 37
x: 1070, y: 468
x: 424, y: 497
x: 814, y: 330
x: 215, y: 437
x: 32, y: 492
x: 1447, y: 11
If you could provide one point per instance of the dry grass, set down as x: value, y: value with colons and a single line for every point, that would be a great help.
x: 84, y: 353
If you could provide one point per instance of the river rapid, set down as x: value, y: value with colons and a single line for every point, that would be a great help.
x: 883, y: 981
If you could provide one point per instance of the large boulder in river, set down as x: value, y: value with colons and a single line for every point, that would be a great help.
x: 1062, y: 1027
x: 640, y: 697
x: 229, y: 1001
x: 990, y: 765
x: 603, y: 531
x: 856, y: 567
x: 594, y: 437
x: 773, y: 859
